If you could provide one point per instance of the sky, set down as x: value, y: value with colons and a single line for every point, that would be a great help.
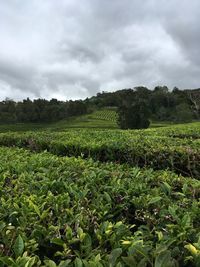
x: 72, y: 49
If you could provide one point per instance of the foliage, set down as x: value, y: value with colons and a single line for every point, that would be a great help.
x: 40, y: 110
x: 177, y: 105
x: 176, y: 148
x: 133, y: 116
x: 102, y: 119
x: 88, y: 210
x: 71, y: 212
x: 183, y: 113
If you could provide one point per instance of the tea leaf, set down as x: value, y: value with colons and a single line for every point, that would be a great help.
x: 18, y: 246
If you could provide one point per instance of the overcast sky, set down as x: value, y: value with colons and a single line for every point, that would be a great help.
x: 72, y: 49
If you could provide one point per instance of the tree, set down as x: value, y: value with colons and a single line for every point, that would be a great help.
x: 194, y: 97
x: 133, y: 116
x: 7, y: 111
x: 183, y: 113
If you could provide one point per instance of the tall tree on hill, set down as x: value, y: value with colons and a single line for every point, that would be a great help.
x: 133, y: 116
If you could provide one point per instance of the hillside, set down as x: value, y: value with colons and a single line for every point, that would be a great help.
x: 104, y: 118
x: 160, y: 104
x: 100, y: 119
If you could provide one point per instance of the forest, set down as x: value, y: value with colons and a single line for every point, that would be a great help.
x: 161, y: 104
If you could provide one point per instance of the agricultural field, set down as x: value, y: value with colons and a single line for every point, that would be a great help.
x: 105, y: 118
x: 100, y: 197
x: 175, y: 148
x: 100, y: 119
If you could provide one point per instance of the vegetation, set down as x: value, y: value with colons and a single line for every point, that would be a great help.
x: 108, y: 114
x: 156, y: 148
x: 79, y: 197
x: 100, y: 119
x: 133, y: 116
x: 162, y: 104
x: 71, y: 212
x: 39, y: 110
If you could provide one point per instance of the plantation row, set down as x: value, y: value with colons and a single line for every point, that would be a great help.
x: 136, y: 148
x: 190, y: 130
x: 70, y: 212
x: 106, y: 114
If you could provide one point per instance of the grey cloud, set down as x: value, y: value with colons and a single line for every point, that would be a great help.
x: 19, y: 77
x: 80, y: 52
x: 72, y: 49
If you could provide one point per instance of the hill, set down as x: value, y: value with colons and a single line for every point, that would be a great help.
x: 104, y: 118
x: 161, y: 103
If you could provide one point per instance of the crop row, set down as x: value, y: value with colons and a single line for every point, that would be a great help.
x: 137, y: 148
x: 190, y: 130
x: 109, y: 115
x: 70, y: 212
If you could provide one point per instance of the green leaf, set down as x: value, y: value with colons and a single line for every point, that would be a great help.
x: 172, y: 211
x: 166, y: 188
x: 2, y: 225
x: 57, y: 241
x: 142, y: 263
x: 64, y: 263
x: 130, y: 261
x: 107, y: 197
x: 160, y: 235
x: 114, y: 255
x: 18, y: 246
x: 163, y: 259
x: 78, y: 262
x: 35, y: 207
x: 97, y: 258
x: 186, y: 220
x: 50, y: 263
x: 7, y: 260
x: 30, y: 262
x: 154, y: 200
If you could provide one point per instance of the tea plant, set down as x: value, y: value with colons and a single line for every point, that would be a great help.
x: 158, y: 149
x: 73, y: 212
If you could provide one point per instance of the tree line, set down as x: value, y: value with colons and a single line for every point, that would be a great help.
x: 39, y: 110
x: 137, y: 104
x: 136, y: 107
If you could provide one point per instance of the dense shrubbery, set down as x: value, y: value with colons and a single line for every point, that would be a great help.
x: 156, y: 148
x: 60, y: 211
x: 178, y: 106
x: 133, y: 116
x: 70, y: 212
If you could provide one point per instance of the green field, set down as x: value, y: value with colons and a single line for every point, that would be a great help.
x: 84, y: 193
x: 100, y: 119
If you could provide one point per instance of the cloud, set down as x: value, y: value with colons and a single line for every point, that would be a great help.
x: 68, y: 49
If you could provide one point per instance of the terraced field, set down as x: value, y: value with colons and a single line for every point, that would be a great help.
x: 101, y: 198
